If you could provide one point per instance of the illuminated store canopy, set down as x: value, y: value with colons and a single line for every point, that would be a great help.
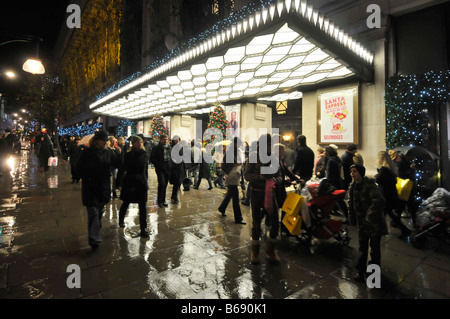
x: 269, y: 55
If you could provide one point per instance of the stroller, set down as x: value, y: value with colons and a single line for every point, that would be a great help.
x: 324, y: 225
x: 433, y: 217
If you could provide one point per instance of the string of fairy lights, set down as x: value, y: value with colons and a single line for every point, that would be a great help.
x: 410, y: 102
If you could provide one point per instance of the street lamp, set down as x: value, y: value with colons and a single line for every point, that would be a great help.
x: 10, y: 74
x: 32, y: 65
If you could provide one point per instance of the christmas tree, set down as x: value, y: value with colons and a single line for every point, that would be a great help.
x: 157, y: 127
x: 218, y: 119
x: 218, y: 126
x: 411, y: 102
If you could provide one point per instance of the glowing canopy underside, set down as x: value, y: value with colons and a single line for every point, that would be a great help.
x: 267, y: 56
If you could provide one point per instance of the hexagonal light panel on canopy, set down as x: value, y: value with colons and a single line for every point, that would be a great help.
x: 268, y: 55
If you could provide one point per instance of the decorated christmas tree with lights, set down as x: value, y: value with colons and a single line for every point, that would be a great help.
x: 157, y: 127
x: 218, y: 123
x: 412, y: 102
x: 218, y: 119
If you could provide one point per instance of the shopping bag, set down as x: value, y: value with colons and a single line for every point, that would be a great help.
x: 268, y: 196
x: 404, y: 187
x: 52, y: 161
x: 293, y: 223
x: 293, y: 203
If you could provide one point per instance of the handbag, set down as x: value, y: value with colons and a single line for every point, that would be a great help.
x: 404, y: 187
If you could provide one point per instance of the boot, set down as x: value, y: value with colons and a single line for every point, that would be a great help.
x: 274, y: 259
x: 254, y: 256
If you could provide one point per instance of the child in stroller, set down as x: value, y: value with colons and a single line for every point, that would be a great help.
x: 324, y: 225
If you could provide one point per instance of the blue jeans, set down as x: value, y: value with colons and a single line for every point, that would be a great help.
x: 95, y: 214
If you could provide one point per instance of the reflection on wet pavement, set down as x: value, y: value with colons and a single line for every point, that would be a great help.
x: 192, y: 251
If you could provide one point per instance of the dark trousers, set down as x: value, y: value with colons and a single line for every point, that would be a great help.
x: 258, y: 212
x: 219, y: 180
x: 95, y: 214
x: 375, y: 251
x: 72, y: 171
x: 142, y: 213
x: 232, y: 193
x: 163, y: 180
x: 200, y: 180
x: 175, y: 189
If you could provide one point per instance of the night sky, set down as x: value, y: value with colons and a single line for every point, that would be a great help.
x: 36, y: 18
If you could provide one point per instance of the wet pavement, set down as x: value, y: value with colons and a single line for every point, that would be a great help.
x: 193, y: 252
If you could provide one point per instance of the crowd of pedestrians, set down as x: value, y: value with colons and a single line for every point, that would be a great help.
x: 107, y: 166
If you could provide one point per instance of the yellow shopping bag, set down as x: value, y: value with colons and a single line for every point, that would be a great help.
x: 293, y: 223
x: 293, y: 203
x: 404, y: 187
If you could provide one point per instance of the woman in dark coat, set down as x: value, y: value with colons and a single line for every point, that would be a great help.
x: 94, y: 168
x: 45, y: 151
x: 135, y: 185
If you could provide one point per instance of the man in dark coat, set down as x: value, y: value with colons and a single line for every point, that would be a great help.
x: 74, y: 154
x: 304, y: 162
x: 160, y: 158
x: 135, y: 183
x: 94, y: 168
x: 177, y: 171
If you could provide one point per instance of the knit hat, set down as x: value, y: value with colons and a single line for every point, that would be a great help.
x: 101, y: 135
x: 361, y: 169
x: 351, y: 147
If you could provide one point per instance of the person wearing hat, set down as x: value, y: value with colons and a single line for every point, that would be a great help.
x: 135, y: 183
x: 94, y: 169
x: 366, y: 202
